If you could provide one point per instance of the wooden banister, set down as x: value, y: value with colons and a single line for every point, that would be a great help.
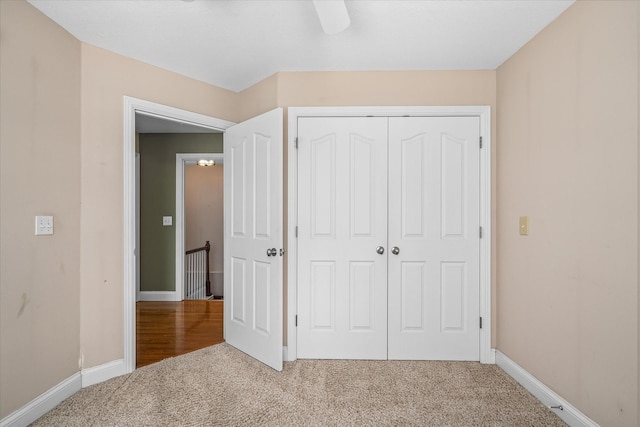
x: 208, y: 246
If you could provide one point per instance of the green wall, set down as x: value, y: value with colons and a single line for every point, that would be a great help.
x: 158, y: 198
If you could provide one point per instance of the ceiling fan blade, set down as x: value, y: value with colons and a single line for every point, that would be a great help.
x: 333, y: 15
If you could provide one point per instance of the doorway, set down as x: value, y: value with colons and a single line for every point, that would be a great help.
x: 199, y: 216
x: 253, y: 213
x: 162, y: 228
x: 175, y: 313
x: 135, y: 109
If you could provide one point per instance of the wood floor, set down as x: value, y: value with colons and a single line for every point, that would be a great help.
x: 168, y: 329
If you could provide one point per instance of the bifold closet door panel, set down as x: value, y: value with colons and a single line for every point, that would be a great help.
x: 434, y: 224
x: 342, y: 220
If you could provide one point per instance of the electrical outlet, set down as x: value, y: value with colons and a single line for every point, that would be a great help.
x: 167, y: 221
x: 44, y: 225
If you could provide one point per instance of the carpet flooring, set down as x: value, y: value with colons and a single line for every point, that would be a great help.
x: 221, y: 386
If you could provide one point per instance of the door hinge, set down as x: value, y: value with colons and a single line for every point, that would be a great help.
x: 296, y: 231
x: 480, y: 142
x: 296, y: 141
x: 296, y: 320
x: 481, y: 232
x: 481, y: 323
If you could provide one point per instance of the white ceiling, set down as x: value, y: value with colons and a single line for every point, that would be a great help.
x: 236, y: 43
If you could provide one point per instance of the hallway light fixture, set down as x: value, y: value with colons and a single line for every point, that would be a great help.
x: 206, y: 163
x: 333, y: 15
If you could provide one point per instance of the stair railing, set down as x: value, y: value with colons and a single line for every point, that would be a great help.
x: 197, y: 284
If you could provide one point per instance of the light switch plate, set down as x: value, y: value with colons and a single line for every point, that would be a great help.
x: 524, y: 225
x: 44, y: 225
x: 167, y: 221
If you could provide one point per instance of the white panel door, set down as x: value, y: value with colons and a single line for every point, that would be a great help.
x: 342, y: 219
x: 434, y: 225
x: 253, y: 226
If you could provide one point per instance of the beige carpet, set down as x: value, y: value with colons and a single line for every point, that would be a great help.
x: 222, y: 386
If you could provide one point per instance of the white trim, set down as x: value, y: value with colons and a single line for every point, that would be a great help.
x: 285, y: 353
x: 181, y: 160
x: 292, y: 240
x: 137, y: 178
x: 159, y: 296
x: 100, y: 373
x: 486, y: 353
x: 569, y: 414
x: 131, y: 107
x: 420, y: 111
x: 484, y: 113
x: 43, y: 403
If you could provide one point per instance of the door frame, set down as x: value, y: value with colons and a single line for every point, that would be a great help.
x: 487, y: 355
x: 133, y: 106
x: 182, y: 160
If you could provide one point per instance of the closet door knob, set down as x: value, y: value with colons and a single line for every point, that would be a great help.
x: 380, y: 250
x: 395, y: 250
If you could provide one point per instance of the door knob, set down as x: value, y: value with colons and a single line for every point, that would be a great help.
x: 380, y: 250
x: 395, y: 250
x: 272, y: 252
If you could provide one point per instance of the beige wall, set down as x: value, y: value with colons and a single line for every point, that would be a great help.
x: 258, y: 99
x: 386, y: 88
x: 39, y: 175
x: 568, y: 158
x: 106, y: 79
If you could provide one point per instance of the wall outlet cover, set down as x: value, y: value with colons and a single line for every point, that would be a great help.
x: 524, y: 226
x: 44, y: 225
x: 167, y: 221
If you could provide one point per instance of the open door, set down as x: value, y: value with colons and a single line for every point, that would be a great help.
x: 253, y: 256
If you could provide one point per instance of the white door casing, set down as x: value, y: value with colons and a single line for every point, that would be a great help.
x: 252, y: 226
x: 487, y: 354
x: 434, y: 238
x: 132, y: 107
x: 342, y: 219
x: 137, y: 208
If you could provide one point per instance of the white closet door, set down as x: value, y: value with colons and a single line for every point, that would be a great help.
x: 434, y: 224
x: 342, y: 219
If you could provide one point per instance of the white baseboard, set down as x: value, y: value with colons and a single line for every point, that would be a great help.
x: 569, y: 414
x: 158, y: 296
x: 285, y: 353
x: 54, y: 396
x: 43, y: 403
x: 101, y: 373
